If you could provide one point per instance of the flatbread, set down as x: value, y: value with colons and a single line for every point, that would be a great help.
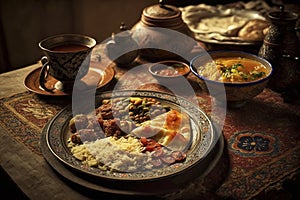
x: 224, y: 25
x: 254, y: 30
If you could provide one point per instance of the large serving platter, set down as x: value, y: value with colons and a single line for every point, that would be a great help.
x: 203, y: 141
x: 86, y: 183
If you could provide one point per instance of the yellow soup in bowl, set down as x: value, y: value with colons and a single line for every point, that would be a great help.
x: 233, y: 69
x: 232, y: 76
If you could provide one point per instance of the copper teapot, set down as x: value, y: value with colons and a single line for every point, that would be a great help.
x: 121, y: 48
x: 161, y: 33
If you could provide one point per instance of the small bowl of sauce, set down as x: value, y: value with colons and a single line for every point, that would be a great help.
x: 169, y: 70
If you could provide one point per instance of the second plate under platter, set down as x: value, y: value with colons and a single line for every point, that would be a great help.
x: 199, y: 156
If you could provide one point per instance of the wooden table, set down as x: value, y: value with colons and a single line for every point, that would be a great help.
x: 247, y: 174
x: 31, y: 174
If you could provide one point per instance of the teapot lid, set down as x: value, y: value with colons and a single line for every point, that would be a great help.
x: 283, y: 15
x: 162, y: 15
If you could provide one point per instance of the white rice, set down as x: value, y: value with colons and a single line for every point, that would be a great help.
x: 123, y: 154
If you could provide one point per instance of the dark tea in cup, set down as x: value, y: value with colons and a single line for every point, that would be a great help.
x: 69, y: 48
x: 67, y: 57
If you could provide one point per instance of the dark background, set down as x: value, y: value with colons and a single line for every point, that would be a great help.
x: 24, y: 23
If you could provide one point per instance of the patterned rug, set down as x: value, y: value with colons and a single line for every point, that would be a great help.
x: 24, y: 115
x: 262, y: 142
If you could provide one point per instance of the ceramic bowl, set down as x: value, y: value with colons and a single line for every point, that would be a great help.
x: 169, y: 71
x: 236, y: 94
